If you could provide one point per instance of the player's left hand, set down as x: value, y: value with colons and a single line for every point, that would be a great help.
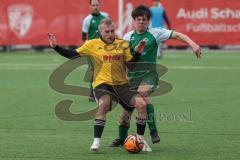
x: 140, y: 47
x: 52, y: 40
x: 197, y: 50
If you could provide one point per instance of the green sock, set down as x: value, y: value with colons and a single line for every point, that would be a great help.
x: 151, y: 118
x: 123, y: 132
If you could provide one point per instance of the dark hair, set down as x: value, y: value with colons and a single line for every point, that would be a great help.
x: 90, y: 1
x: 141, y: 10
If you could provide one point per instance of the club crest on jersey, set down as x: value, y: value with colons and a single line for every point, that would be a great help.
x: 20, y: 18
x: 145, y: 39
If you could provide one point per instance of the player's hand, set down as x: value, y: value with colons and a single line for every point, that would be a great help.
x: 197, y: 50
x: 52, y: 40
x: 140, y: 47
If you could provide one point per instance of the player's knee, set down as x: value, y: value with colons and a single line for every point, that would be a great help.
x: 144, y: 93
x: 140, y: 104
x: 125, y: 118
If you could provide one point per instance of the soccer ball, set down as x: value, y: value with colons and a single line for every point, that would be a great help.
x: 134, y: 143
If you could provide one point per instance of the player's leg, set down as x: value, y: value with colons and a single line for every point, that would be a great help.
x: 141, y: 119
x: 124, y: 125
x: 90, y: 79
x: 104, y: 105
x: 145, y: 89
x: 130, y: 98
x: 160, y: 50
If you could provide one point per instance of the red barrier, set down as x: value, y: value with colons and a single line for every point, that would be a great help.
x: 215, y: 22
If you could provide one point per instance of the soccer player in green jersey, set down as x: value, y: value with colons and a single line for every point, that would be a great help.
x: 92, y: 21
x: 90, y: 30
x: 146, y: 82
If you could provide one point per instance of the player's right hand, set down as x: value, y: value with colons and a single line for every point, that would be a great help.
x: 141, y: 45
x: 52, y: 40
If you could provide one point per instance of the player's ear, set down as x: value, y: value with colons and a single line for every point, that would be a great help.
x: 99, y: 28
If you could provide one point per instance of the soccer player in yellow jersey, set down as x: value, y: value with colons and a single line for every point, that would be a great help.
x: 109, y: 56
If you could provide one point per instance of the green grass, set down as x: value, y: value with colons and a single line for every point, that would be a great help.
x: 206, y: 94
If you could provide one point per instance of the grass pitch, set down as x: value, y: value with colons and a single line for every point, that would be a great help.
x: 198, y: 119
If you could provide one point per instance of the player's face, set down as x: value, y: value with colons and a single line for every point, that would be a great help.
x: 141, y: 24
x: 108, y: 33
x: 156, y: 2
x: 95, y: 6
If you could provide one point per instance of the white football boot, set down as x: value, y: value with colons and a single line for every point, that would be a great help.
x: 146, y: 147
x: 95, y: 145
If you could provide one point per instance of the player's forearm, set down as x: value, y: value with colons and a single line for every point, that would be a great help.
x: 84, y: 36
x: 66, y: 52
x: 184, y: 38
x: 136, y: 56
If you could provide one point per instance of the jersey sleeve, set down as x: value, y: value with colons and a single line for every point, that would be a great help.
x: 85, y: 49
x: 161, y: 34
x: 127, y: 52
x: 105, y: 14
x: 86, y: 24
x: 127, y: 36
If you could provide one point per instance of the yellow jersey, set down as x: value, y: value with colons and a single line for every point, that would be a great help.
x: 108, y: 60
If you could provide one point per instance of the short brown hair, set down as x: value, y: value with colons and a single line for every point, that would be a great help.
x: 90, y: 1
x: 141, y: 10
x: 106, y: 21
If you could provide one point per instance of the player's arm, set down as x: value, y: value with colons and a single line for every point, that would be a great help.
x: 85, y: 28
x: 136, y: 52
x: 165, y: 17
x: 136, y: 56
x: 62, y: 51
x: 84, y: 36
x: 184, y: 38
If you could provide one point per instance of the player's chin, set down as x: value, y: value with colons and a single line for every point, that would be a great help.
x: 110, y: 40
x: 142, y: 28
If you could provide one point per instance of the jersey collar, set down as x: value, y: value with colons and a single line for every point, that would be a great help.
x: 141, y: 33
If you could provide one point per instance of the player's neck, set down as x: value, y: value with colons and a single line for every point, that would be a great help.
x: 140, y: 32
x: 96, y: 14
x: 158, y: 5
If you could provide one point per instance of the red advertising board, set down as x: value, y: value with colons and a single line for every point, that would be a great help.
x: 214, y: 22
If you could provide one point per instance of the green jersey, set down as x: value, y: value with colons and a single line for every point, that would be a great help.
x: 153, y: 37
x: 91, y: 23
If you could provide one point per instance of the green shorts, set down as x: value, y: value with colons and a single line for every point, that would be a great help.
x: 150, y: 79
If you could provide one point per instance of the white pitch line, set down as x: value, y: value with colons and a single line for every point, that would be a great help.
x: 204, y: 67
x: 53, y: 66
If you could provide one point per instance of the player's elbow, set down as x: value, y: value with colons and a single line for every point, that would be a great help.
x: 178, y: 35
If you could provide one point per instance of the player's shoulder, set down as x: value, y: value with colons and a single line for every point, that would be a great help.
x: 128, y: 35
x: 93, y: 41
x: 157, y: 30
x: 119, y: 40
x: 124, y: 43
x: 105, y: 14
x: 92, y: 44
x: 88, y: 17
